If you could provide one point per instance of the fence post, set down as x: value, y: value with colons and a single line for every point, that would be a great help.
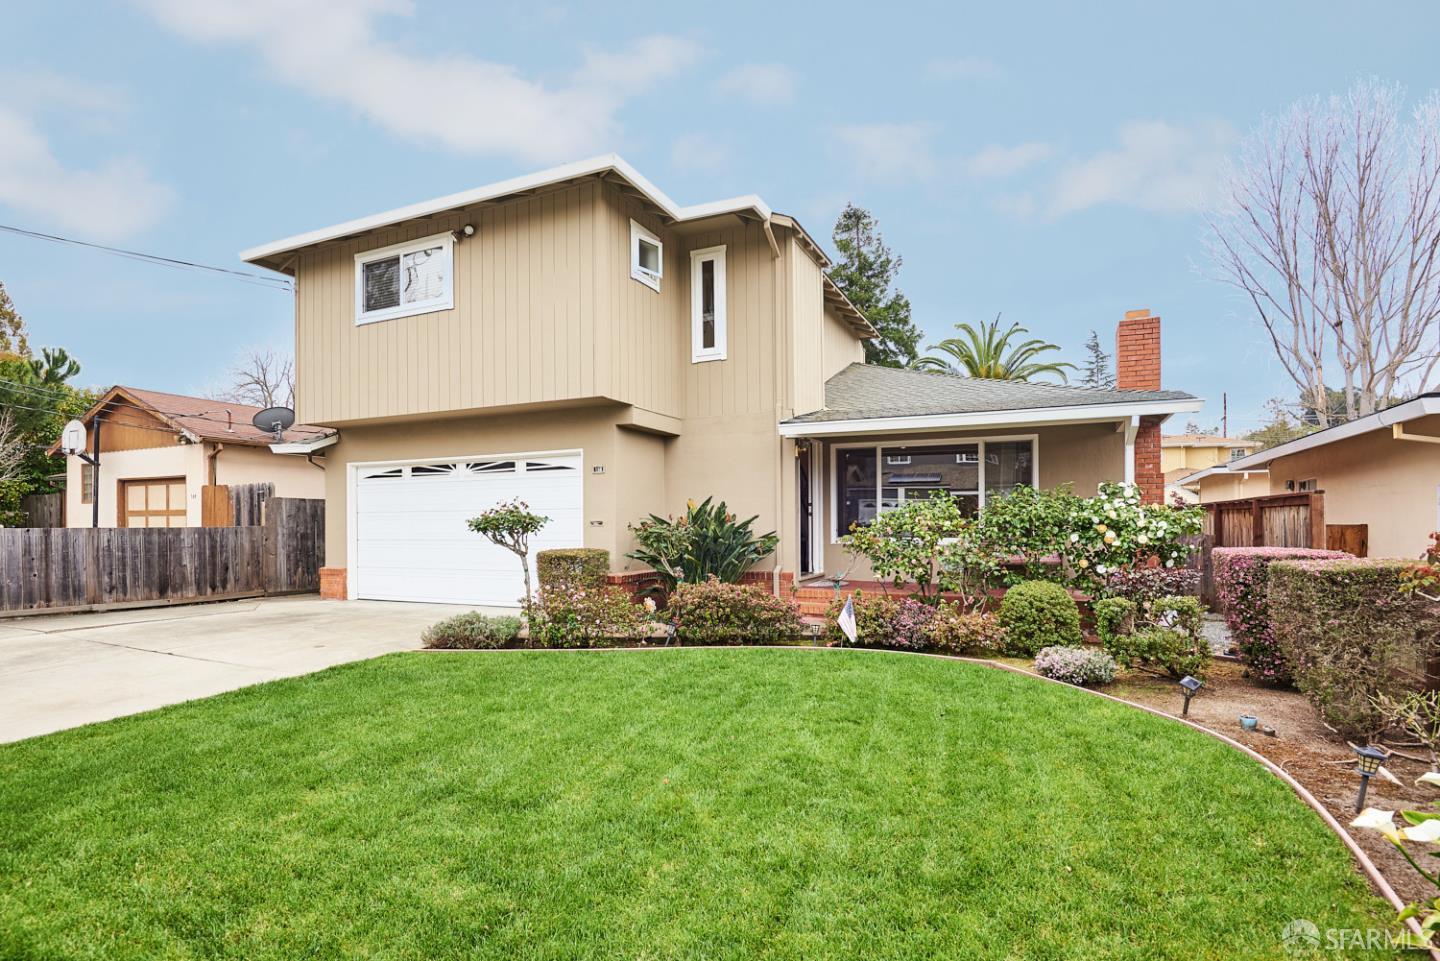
x: 1257, y: 523
x: 1317, y: 519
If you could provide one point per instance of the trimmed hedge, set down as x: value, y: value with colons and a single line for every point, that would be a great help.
x: 1349, y: 635
x: 1038, y: 614
x: 1241, y: 591
x: 586, y: 566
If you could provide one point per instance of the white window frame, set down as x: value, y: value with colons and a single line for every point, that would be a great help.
x: 834, y: 485
x: 648, y: 278
x: 699, y: 354
x: 445, y: 302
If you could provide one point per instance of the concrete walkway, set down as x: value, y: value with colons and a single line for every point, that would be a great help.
x: 64, y: 670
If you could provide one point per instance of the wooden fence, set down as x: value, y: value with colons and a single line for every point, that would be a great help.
x: 60, y: 569
x: 234, y: 505
x: 44, y: 510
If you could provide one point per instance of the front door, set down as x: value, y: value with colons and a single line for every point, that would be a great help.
x: 807, y: 513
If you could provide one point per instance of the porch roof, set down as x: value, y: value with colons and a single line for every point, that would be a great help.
x: 868, y: 397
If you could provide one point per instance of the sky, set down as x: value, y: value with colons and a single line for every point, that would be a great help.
x: 1048, y: 162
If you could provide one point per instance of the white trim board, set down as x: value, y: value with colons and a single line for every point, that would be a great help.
x: 1022, y: 417
x: 604, y: 163
x: 1399, y: 414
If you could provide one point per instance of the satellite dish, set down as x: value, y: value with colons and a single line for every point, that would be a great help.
x: 72, y: 438
x: 274, y: 420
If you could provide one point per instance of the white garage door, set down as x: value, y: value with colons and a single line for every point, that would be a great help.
x: 412, y: 543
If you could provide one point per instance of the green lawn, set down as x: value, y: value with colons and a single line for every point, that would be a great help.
x: 728, y: 803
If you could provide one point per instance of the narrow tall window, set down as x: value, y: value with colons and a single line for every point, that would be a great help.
x: 707, y: 304
x: 406, y: 279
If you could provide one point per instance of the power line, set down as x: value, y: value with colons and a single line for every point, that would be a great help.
x: 258, y: 280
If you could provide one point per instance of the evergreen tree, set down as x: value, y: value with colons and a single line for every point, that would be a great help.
x: 14, y: 339
x: 1096, y: 371
x: 866, y: 273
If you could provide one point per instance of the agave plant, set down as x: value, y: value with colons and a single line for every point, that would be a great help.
x: 988, y: 353
x: 707, y: 541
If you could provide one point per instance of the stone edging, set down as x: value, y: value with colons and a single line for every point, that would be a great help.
x: 1361, y: 858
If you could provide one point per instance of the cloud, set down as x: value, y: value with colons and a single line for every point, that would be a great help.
x: 963, y: 68
x: 998, y: 161
x: 888, y: 150
x: 764, y: 83
x: 699, y: 152
x: 1156, y: 166
x: 116, y: 199
x: 42, y: 89
x: 335, y: 51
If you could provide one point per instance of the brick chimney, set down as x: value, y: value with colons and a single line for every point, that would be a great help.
x: 1137, y: 367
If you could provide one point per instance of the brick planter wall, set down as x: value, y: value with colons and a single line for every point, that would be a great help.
x: 333, y: 584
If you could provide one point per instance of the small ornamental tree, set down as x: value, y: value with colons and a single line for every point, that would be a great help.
x: 916, y: 542
x: 510, y: 524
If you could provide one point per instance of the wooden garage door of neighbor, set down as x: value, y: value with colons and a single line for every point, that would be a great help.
x: 152, y: 502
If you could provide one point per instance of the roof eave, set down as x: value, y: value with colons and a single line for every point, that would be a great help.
x: 272, y: 254
x: 1019, y: 417
x: 305, y: 446
x: 1399, y: 414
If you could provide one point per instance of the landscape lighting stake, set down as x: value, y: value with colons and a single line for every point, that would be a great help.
x: 1370, y: 758
x: 1188, y: 686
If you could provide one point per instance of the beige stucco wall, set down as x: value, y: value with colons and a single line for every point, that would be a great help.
x: 1391, y: 485
x: 1227, y: 487
x: 179, y: 460
x: 292, y: 476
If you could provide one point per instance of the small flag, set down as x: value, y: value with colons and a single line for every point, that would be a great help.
x: 846, y: 621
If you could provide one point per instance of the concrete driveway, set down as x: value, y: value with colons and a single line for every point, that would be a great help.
x: 64, y: 670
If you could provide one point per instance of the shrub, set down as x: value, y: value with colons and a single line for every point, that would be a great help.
x: 715, y: 612
x: 916, y: 542
x: 1145, y: 585
x: 1037, y: 614
x: 1114, y: 617
x: 956, y: 630
x: 1113, y: 531
x: 1075, y: 665
x: 707, y: 542
x: 1018, y: 535
x: 1241, y: 590
x: 1350, y: 636
x: 882, y: 621
x: 471, y: 631
x: 568, y: 614
x: 1181, y: 613
x: 1161, y: 649
x: 586, y: 566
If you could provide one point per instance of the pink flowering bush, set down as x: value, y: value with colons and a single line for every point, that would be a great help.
x: 1241, y: 590
x: 958, y: 630
x: 1350, y: 636
x: 716, y: 612
x: 570, y: 613
x: 882, y: 621
x: 1075, y: 665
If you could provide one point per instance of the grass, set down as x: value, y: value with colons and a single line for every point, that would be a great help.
x: 707, y: 804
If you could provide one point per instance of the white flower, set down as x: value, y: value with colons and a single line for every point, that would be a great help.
x: 1099, y: 568
x: 1074, y: 538
x: 1169, y: 563
x: 1427, y: 831
x: 1142, y: 539
x: 1111, y: 514
x: 1375, y: 819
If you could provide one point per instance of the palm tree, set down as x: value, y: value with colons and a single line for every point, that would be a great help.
x: 987, y: 353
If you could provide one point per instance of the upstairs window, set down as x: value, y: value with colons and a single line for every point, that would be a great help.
x: 405, y: 279
x: 1237, y: 452
x: 647, y: 256
x: 707, y: 304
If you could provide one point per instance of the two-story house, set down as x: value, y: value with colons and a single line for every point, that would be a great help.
x: 576, y: 339
x: 1196, y: 467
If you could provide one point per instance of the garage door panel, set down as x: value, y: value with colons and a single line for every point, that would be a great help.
x: 413, y: 543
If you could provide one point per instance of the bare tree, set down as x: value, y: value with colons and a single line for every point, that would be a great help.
x: 1330, y: 226
x: 261, y: 378
x: 12, y: 447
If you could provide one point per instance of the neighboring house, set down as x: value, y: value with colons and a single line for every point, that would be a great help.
x: 158, y: 450
x: 1219, y: 483
x: 576, y: 339
x: 1184, y: 455
x: 1382, y: 470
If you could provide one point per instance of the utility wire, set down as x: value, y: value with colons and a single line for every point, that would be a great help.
x: 259, y: 280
